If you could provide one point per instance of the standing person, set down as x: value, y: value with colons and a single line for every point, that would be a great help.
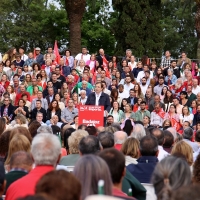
x: 82, y: 56
x: 39, y: 56
x: 103, y: 58
x: 99, y: 98
x: 51, y: 53
x: 184, y: 59
x: 166, y: 60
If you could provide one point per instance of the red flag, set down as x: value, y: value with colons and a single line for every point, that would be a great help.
x: 56, y: 52
x: 34, y: 54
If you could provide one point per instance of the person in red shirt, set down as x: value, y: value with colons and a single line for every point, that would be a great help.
x: 46, y: 153
x: 19, y: 95
x: 4, y: 81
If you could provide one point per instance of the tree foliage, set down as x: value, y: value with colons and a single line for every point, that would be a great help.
x: 96, y: 31
x: 137, y: 26
x: 30, y: 23
x: 178, y: 23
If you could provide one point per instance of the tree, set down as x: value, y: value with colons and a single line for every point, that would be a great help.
x: 178, y: 23
x: 31, y: 24
x: 137, y: 26
x: 96, y: 31
x: 75, y: 11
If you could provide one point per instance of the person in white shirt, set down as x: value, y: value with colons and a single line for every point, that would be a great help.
x: 132, y: 64
x: 24, y: 57
x: 105, y: 90
x: 122, y: 93
x: 196, y: 87
x: 83, y: 97
x: 157, y: 116
x: 128, y: 85
x: 142, y: 73
x: 82, y: 56
x: 159, y: 135
x: 143, y: 85
x: 0, y: 57
x: 186, y: 115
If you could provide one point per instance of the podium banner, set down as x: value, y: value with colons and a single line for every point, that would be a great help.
x: 91, y: 115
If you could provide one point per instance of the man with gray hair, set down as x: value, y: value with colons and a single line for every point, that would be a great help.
x: 120, y: 137
x: 46, y: 153
x: 84, y: 86
x: 187, y: 137
x: 44, y: 129
x: 138, y: 132
x: 83, y: 97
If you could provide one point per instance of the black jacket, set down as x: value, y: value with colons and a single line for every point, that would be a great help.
x: 104, y: 100
x: 35, y: 111
x: 100, y: 59
x: 25, y: 109
x: 11, y: 109
x: 58, y: 113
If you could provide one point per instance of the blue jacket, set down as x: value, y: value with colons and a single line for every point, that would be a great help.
x: 66, y: 70
x: 144, y: 169
x: 40, y: 59
x: 104, y: 100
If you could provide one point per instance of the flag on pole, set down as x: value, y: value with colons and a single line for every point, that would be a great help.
x: 34, y: 54
x: 56, y: 52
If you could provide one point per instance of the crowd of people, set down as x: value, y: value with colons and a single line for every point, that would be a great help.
x: 148, y: 147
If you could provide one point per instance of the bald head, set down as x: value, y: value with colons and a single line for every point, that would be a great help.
x: 120, y: 137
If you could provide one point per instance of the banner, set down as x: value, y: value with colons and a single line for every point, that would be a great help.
x: 91, y: 115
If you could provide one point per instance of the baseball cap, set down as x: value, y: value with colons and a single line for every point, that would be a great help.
x: 37, y: 49
x: 2, y: 173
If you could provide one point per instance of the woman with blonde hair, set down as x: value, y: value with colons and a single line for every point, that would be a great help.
x: 185, y: 149
x: 20, y: 121
x: 130, y: 149
x: 18, y: 143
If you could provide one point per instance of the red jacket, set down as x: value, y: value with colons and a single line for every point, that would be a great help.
x: 18, y: 97
x: 26, y: 185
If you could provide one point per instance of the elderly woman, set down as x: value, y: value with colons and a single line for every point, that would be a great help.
x: 81, y: 67
x: 170, y: 79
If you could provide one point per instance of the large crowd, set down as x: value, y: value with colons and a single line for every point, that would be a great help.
x: 148, y: 147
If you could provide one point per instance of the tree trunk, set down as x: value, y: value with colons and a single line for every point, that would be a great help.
x: 75, y: 10
x: 197, y: 26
